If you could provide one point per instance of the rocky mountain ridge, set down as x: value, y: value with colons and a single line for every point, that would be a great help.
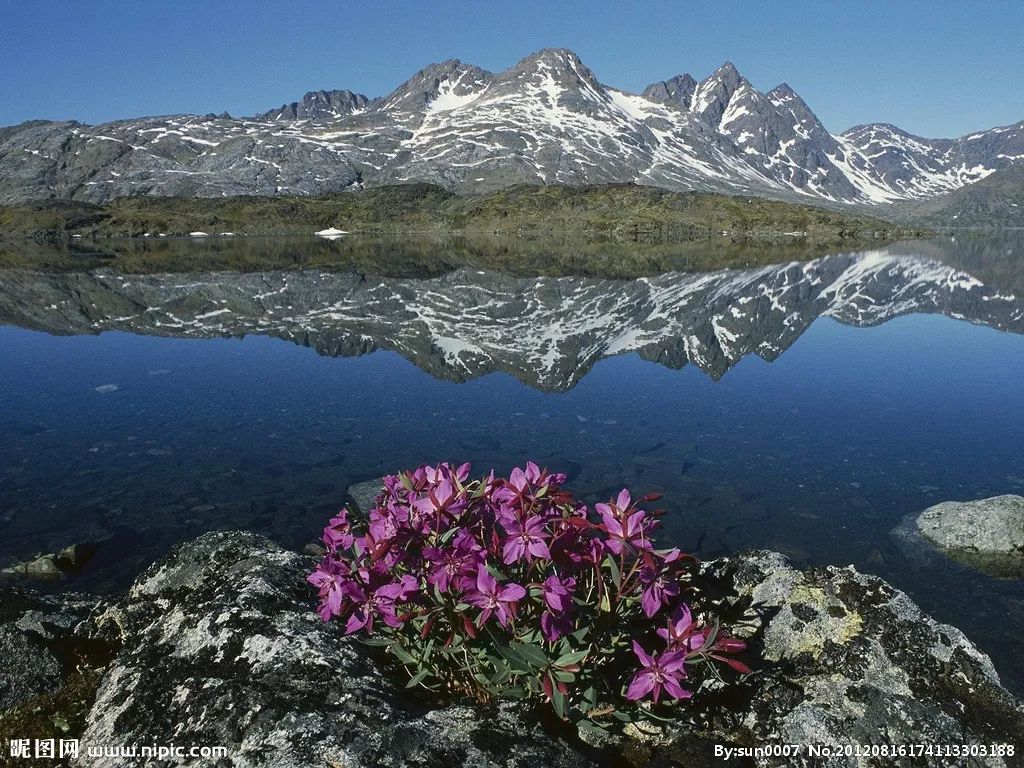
x: 546, y: 120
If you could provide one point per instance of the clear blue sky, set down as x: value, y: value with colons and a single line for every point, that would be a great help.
x: 933, y: 68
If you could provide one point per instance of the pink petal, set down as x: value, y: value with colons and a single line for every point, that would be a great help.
x: 675, y: 690
x: 640, y: 686
x: 511, y: 593
x: 641, y: 654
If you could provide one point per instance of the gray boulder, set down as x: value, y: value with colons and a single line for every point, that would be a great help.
x: 222, y: 647
x: 987, y: 534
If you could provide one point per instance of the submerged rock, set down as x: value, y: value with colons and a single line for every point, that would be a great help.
x: 222, y: 647
x: 51, y: 567
x: 364, y: 495
x: 987, y: 534
x: 44, y: 568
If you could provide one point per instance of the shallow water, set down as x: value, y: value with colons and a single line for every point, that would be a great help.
x: 895, y: 383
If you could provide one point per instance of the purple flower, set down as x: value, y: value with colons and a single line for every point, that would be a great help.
x: 554, y: 626
x: 331, y: 579
x: 338, y: 533
x: 449, y: 564
x: 379, y: 602
x: 659, y: 587
x: 681, y: 634
x: 443, y: 498
x: 663, y: 670
x: 528, y: 483
x: 385, y: 523
x: 525, y: 541
x: 558, y: 593
x: 623, y: 529
x: 492, y: 599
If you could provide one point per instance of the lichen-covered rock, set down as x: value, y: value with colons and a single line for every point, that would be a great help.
x: 221, y: 647
x: 27, y: 667
x: 987, y: 534
x: 849, y: 660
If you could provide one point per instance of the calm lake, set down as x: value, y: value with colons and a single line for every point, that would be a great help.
x: 802, y: 406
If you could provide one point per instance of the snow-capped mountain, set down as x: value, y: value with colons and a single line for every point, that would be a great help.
x: 548, y: 119
x: 546, y: 331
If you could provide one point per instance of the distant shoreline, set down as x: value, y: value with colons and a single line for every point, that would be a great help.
x: 619, y: 213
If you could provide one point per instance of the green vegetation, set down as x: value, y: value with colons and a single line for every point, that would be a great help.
x: 613, y: 212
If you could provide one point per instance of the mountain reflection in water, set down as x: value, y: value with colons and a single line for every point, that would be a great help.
x: 548, y: 332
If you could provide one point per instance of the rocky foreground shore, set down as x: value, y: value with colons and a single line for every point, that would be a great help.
x: 218, y: 645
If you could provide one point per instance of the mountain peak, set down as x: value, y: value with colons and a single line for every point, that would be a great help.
x: 677, y: 90
x: 319, y: 105
x: 727, y: 70
x: 560, y: 64
x: 712, y: 95
x: 423, y: 87
x: 552, y: 56
x: 783, y: 91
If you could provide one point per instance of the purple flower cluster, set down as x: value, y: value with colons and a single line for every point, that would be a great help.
x: 515, y: 578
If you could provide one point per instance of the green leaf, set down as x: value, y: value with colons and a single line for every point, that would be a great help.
x: 514, y: 657
x: 377, y: 642
x: 571, y: 658
x: 533, y: 654
x: 580, y: 634
x: 402, y: 654
x: 406, y: 480
x: 418, y: 678
x: 612, y: 566
x: 558, y: 702
x: 449, y: 534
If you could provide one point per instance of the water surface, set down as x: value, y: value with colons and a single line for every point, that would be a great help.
x: 804, y: 407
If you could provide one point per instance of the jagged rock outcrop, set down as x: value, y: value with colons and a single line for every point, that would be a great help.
x: 49, y: 652
x: 854, y: 661
x: 319, y: 105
